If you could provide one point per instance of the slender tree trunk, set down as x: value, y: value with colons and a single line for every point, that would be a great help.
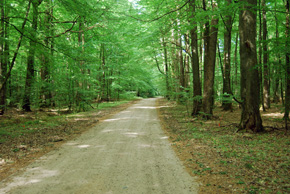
x: 103, y: 78
x: 181, y: 68
x: 30, y: 59
x: 186, y: 64
x: 226, y: 104
x: 3, y: 64
x: 166, y: 68
x: 46, y: 56
x: 236, y: 64
x: 260, y: 56
x: 195, y: 62
x: 250, y: 117
x: 175, y: 66
x: 278, y: 58
x: 266, y: 85
x: 287, y: 96
x: 209, y: 66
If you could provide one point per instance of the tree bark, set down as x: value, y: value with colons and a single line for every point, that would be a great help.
x: 250, y: 117
x: 3, y: 64
x: 195, y: 62
x: 209, y: 65
x: 30, y: 59
x: 166, y: 68
x: 287, y: 95
x: 226, y: 104
x: 278, y: 58
x: 236, y: 65
x: 46, y: 56
x: 260, y: 47
x: 266, y: 85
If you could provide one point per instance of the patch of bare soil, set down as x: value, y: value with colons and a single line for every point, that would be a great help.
x: 19, y: 151
x: 226, y: 161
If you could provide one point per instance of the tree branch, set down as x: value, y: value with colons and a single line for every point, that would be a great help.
x: 158, y: 18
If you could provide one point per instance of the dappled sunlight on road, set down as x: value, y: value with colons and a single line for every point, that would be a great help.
x: 133, y: 134
x: 144, y: 107
x: 38, y: 175
x: 83, y: 146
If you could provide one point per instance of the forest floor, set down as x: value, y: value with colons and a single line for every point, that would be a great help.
x: 227, y: 161
x: 25, y: 137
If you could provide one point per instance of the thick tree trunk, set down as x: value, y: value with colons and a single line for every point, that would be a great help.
x: 30, y: 59
x: 226, y: 104
x: 266, y: 85
x: 209, y: 66
x: 250, y: 117
x: 287, y: 96
x: 195, y: 62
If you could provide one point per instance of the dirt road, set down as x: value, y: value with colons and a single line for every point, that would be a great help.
x: 127, y: 153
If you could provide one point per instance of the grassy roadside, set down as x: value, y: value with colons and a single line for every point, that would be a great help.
x: 225, y: 161
x: 26, y: 136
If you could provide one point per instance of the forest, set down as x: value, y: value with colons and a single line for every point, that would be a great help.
x: 73, y: 55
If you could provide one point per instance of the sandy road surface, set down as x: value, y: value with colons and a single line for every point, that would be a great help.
x: 127, y: 153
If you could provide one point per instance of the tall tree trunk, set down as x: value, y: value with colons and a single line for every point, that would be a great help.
x: 287, y: 96
x: 175, y: 66
x: 181, y: 68
x: 209, y: 66
x: 3, y: 64
x: 260, y: 47
x: 266, y: 85
x: 250, y: 117
x: 30, y: 59
x: 226, y: 104
x: 186, y: 64
x: 195, y: 62
x: 166, y: 68
x: 236, y: 65
x: 278, y: 58
x: 46, y: 56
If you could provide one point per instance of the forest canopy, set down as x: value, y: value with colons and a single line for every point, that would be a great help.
x: 64, y: 53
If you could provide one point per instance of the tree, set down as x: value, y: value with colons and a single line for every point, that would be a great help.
x: 227, y: 60
x: 31, y: 58
x: 211, y: 33
x: 3, y: 62
x: 195, y: 61
x: 287, y: 64
x: 250, y: 116
x: 266, y: 85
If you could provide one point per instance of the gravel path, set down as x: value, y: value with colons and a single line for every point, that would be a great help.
x: 125, y: 154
